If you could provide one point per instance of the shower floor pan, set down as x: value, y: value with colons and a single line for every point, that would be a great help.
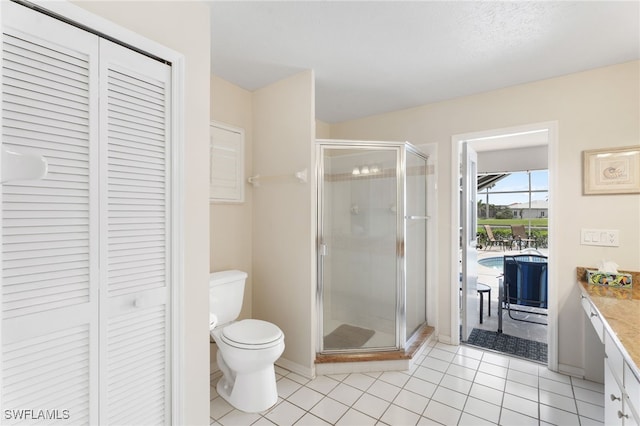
x: 362, y: 362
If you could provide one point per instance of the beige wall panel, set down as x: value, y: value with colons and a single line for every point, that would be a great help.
x: 284, y: 133
x: 323, y: 130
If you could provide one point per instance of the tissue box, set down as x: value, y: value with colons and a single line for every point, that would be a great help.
x: 606, y: 278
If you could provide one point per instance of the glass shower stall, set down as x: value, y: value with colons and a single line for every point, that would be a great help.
x: 372, y: 239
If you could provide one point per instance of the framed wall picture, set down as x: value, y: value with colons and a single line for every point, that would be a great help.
x: 611, y: 171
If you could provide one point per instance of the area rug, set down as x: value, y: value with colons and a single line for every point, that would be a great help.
x: 347, y: 336
x: 512, y: 345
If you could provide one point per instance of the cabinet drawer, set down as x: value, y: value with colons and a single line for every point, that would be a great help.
x: 632, y: 387
x: 614, y: 356
x: 593, y: 316
x: 612, y: 397
x: 628, y: 414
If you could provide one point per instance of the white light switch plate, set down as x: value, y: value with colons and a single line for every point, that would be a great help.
x: 600, y: 237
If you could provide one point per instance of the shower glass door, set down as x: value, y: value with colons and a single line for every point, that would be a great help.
x: 416, y: 242
x: 358, y: 257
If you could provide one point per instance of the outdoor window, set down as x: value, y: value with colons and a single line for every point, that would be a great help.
x: 519, y: 198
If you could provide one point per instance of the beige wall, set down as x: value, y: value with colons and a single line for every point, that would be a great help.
x: 283, y: 244
x: 184, y: 27
x: 594, y: 109
x: 323, y: 130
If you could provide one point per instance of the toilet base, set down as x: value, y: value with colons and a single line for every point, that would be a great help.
x: 250, y: 392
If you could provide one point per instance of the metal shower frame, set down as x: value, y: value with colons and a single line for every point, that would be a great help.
x: 401, y: 149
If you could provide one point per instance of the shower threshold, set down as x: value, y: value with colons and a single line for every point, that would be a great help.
x: 361, y: 362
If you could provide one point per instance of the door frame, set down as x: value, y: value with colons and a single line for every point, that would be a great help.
x: 77, y: 15
x: 431, y: 151
x: 468, y: 240
x: 552, y: 163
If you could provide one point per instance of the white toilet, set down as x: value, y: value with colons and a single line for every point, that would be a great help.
x: 247, y: 349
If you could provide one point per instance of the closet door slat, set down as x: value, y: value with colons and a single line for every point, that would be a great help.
x: 14, y: 101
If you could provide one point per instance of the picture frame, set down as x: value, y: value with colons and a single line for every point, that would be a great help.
x: 611, y: 171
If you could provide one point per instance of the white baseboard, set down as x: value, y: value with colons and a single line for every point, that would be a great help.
x: 571, y: 371
x: 362, y: 367
x: 213, y: 369
x: 445, y: 339
x: 307, y: 372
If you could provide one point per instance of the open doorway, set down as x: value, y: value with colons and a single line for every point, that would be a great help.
x: 512, y: 230
x: 511, y: 185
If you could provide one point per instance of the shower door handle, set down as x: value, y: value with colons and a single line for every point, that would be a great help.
x: 418, y: 217
x: 322, y: 249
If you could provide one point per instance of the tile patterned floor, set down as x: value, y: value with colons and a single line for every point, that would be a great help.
x: 449, y: 385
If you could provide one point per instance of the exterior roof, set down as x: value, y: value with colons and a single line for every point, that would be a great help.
x: 535, y: 204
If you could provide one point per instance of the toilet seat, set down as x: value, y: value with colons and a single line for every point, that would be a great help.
x: 251, y: 334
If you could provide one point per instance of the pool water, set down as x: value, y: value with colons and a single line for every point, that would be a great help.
x: 492, y: 262
x: 498, y: 261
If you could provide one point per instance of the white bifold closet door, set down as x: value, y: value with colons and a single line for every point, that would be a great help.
x: 134, y: 237
x: 85, y: 324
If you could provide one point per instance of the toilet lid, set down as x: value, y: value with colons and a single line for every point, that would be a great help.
x: 251, y: 332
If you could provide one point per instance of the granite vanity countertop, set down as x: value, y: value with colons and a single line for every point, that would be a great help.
x: 620, y: 308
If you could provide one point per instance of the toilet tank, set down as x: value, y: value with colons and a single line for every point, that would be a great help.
x: 226, y: 291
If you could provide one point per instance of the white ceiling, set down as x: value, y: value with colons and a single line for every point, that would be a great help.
x: 380, y: 56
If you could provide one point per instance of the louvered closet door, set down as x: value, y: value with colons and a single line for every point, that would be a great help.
x: 135, y: 321
x: 85, y: 252
x: 49, y: 227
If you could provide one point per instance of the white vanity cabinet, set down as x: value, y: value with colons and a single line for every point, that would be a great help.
x: 612, y: 397
x: 621, y: 386
x: 621, y: 375
x: 613, y: 312
x: 632, y: 388
x: 593, y: 315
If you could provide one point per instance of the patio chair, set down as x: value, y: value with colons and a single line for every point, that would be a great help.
x: 491, y: 239
x: 525, y: 284
x: 520, y: 235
